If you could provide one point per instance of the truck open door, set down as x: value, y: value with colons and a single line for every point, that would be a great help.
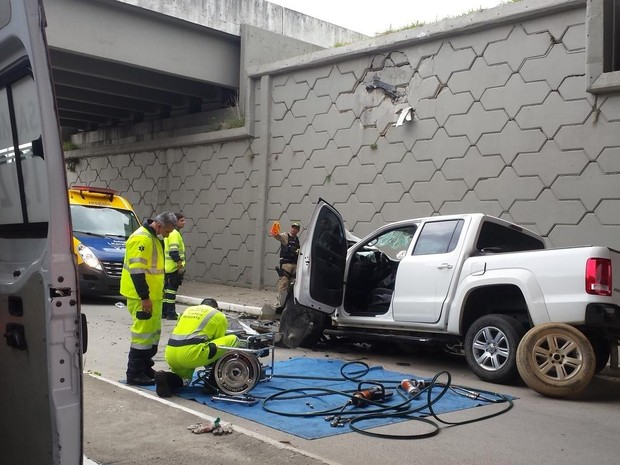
x: 322, y: 258
x: 319, y: 282
x: 40, y: 353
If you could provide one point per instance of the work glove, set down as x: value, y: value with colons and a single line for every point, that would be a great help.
x: 211, y: 427
x: 222, y: 429
x: 206, y: 427
x: 201, y: 428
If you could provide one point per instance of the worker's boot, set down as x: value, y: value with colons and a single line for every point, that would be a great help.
x: 138, y: 364
x: 166, y: 383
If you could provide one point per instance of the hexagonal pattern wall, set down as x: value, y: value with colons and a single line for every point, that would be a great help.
x: 502, y: 124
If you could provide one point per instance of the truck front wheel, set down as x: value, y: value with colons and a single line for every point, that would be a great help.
x: 556, y: 360
x: 491, y: 348
x: 301, y: 326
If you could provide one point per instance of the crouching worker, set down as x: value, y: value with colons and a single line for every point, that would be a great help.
x: 194, y: 343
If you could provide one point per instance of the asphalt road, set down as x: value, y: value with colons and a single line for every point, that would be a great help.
x: 125, y: 425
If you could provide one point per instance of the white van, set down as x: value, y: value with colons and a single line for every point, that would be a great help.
x: 41, y: 352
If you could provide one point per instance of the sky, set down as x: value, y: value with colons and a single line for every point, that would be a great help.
x: 376, y: 16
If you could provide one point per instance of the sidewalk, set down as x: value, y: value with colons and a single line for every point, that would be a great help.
x: 232, y: 298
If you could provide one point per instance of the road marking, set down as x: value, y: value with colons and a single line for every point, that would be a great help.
x: 239, y: 429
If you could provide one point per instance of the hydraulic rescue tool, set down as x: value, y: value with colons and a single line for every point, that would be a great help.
x: 363, y: 397
x: 413, y: 386
x: 239, y: 370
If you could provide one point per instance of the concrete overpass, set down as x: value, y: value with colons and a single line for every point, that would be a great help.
x: 120, y: 62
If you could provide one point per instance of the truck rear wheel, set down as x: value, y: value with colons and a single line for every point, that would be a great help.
x: 602, y: 351
x: 491, y: 348
x: 556, y: 360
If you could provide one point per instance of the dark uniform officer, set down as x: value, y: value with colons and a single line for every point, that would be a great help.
x: 289, y: 252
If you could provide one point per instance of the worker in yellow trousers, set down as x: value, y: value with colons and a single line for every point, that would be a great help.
x: 194, y: 342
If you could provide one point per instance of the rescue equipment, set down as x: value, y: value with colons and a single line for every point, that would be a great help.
x: 238, y: 371
x: 363, y: 397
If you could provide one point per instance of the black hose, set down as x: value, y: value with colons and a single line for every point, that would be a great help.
x: 401, y: 410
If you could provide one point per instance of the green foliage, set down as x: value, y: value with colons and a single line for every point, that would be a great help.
x: 234, y: 123
x: 421, y: 23
x: 408, y: 26
x: 68, y: 146
x: 373, y: 146
x: 236, y: 118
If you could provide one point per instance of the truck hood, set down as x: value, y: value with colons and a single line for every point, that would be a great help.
x: 104, y: 248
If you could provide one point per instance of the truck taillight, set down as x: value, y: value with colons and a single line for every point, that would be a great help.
x: 598, y: 276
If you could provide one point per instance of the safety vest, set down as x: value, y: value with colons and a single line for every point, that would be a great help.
x: 193, y: 326
x: 290, y: 252
x: 174, y: 242
x: 143, y: 254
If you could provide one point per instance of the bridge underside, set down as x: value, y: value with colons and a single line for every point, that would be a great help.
x: 139, y: 66
x: 93, y: 93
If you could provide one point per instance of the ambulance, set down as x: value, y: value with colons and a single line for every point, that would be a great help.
x: 102, y: 221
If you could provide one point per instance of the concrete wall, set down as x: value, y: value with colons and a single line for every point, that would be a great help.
x: 228, y: 16
x: 502, y: 125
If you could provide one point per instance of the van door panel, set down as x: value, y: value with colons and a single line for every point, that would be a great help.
x: 40, y: 357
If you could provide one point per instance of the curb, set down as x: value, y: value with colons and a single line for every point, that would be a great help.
x: 238, y: 308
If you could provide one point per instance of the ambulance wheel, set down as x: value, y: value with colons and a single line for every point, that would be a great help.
x: 556, y: 360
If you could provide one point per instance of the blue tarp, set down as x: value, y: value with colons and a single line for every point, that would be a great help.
x: 315, y: 400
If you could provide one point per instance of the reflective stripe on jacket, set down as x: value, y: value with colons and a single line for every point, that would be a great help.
x: 174, y: 244
x: 198, y: 324
x: 144, y: 254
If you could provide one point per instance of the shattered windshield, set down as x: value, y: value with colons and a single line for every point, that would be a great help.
x: 394, y: 243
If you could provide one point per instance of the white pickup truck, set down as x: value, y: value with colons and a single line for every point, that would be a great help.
x: 472, y: 283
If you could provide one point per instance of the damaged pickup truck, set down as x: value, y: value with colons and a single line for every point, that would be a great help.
x: 472, y: 283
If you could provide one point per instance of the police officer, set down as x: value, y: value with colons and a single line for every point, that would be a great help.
x: 142, y: 283
x: 174, y: 250
x: 194, y: 343
x: 289, y: 251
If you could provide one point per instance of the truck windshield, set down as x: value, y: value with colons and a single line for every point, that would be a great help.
x: 103, y: 221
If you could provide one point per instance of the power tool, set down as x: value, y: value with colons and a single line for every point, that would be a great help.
x: 362, y: 397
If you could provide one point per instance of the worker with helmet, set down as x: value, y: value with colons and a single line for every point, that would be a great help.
x: 142, y: 283
x: 194, y: 342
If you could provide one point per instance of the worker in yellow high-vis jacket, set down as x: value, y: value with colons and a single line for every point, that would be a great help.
x: 142, y: 283
x: 196, y: 341
x: 174, y: 250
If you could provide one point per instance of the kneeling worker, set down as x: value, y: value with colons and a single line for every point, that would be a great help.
x: 193, y: 343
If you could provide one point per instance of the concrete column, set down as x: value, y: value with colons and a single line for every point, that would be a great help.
x: 263, y: 154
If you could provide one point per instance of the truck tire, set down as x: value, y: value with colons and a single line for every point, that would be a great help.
x: 301, y: 326
x: 491, y: 348
x: 319, y: 321
x: 556, y: 360
x: 602, y: 351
